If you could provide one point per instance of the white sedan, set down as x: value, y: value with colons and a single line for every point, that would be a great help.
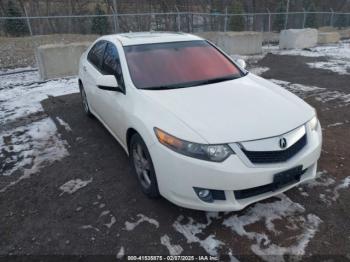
x: 198, y: 128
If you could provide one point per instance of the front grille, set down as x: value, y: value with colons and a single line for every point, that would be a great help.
x: 254, y: 191
x: 264, y: 157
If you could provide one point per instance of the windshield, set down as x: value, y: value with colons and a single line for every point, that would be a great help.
x: 178, y: 64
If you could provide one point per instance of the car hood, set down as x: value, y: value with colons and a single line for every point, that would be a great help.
x: 243, y: 109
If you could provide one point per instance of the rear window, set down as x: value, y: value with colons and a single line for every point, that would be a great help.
x: 177, y: 64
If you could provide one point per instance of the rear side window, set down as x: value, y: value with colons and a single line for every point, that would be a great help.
x: 111, y: 63
x: 96, y: 53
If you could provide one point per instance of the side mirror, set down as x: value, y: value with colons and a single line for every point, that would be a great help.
x: 241, y: 63
x: 108, y: 82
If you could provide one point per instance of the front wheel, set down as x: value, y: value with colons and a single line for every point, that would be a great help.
x: 142, y: 166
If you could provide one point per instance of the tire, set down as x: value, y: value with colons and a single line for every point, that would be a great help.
x: 142, y: 167
x: 85, y: 102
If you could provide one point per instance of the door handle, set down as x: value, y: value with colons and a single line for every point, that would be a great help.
x: 84, y: 68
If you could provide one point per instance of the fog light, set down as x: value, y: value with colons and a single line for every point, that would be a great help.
x: 204, y: 194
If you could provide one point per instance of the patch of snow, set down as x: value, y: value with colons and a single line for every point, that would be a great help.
x: 23, y: 100
x: 329, y: 195
x: 17, y: 70
x: 90, y: 227
x: 18, y: 79
x: 142, y: 218
x: 112, y: 222
x: 322, y: 179
x: 28, y: 148
x: 338, y: 56
x: 321, y: 94
x: 232, y: 258
x: 337, y: 124
x: 298, y: 89
x: 339, y: 50
x: 74, y: 185
x: 268, y: 213
x: 174, y: 250
x: 121, y: 253
x: 192, y: 231
x: 64, y: 124
x: 259, y: 70
x: 340, y: 67
x: 105, y: 213
x: 305, y: 194
x: 249, y: 58
x: 343, y: 185
x: 310, y: 227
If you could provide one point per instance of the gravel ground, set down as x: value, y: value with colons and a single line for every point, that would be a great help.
x: 88, y: 203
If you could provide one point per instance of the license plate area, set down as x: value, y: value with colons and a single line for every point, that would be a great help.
x: 287, y: 177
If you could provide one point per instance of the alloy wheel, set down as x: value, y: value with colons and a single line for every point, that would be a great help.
x: 142, y: 166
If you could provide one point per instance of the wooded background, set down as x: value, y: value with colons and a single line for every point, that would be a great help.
x: 80, y: 7
x: 189, y: 23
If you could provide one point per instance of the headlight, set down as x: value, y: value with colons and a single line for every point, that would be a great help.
x: 215, y: 153
x: 313, y: 123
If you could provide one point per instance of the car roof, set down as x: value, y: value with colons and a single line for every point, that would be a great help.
x: 140, y: 38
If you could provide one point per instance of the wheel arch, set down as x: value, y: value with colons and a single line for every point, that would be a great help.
x: 143, y: 132
x: 129, y: 133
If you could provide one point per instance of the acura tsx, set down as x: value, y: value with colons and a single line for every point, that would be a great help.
x: 199, y: 129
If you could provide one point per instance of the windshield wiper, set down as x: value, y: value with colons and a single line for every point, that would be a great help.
x: 217, y: 80
x: 163, y: 87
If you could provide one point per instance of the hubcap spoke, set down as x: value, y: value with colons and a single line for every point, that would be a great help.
x: 142, y: 166
x: 146, y: 177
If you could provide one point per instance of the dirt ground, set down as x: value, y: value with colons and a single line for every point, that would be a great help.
x: 37, y: 218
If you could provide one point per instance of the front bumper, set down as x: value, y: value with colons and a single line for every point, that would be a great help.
x: 178, y: 174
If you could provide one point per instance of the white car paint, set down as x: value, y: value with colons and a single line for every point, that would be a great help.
x: 248, y: 112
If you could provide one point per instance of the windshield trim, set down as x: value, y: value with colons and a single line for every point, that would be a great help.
x: 193, y: 83
x: 184, y: 84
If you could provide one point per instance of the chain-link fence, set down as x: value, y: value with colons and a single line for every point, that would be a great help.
x: 172, y: 21
x: 19, y: 36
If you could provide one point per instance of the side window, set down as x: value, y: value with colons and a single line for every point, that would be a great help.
x: 111, y: 63
x: 96, y: 53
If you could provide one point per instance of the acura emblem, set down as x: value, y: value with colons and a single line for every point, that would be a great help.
x: 283, y: 143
